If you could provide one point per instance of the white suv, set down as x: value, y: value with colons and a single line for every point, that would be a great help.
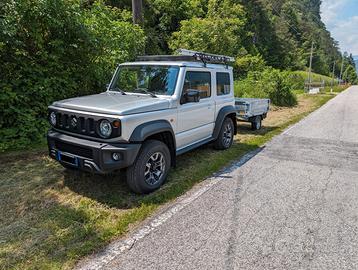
x: 153, y: 110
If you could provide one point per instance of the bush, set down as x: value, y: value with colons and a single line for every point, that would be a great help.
x: 270, y: 83
x: 245, y: 64
x: 280, y: 88
x: 51, y: 50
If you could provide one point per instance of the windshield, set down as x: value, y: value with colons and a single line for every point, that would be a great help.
x: 150, y: 79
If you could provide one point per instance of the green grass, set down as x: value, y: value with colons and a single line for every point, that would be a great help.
x: 315, y: 76
x: 335, y: 89
x: 50, y: 218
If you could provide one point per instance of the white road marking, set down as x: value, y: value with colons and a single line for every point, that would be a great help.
x: 116, y: 248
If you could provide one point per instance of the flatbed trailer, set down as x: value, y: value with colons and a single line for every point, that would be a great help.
x: 252, y: 110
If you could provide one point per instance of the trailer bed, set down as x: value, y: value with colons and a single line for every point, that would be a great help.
x: 252, y: 110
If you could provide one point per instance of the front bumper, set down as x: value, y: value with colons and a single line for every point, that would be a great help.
x: 89, y: 155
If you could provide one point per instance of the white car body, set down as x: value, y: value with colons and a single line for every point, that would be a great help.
x: 191, y: 122
x: 151, y: 112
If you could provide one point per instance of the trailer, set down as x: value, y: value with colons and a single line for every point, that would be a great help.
x: 252, y: 110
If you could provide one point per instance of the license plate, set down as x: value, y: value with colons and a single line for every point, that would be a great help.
x: 67, y: 158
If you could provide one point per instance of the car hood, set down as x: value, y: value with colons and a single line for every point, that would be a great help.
x: 114, y: 103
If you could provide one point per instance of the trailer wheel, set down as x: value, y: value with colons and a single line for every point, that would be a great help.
x: 256, y: 124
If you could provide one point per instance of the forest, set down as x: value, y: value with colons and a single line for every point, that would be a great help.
x: 56, y: 49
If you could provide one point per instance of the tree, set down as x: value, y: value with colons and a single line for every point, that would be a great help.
x: 350, y: 75
x: 221, y: 32
x: 137, y: 12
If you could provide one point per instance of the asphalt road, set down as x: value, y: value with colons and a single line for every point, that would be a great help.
x: 292, y: 206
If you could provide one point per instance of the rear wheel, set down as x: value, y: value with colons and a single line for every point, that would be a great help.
x: 256, y: 124
x: 150, y: 169
x: 226, y: 135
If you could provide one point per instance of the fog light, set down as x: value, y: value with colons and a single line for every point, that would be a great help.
x: 116, y: 156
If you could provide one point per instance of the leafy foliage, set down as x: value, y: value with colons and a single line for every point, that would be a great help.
x: 350, y: 75
x: 247, y: 63
x: 51, y: 50
x: 271, y: 83
x: 220, y: 32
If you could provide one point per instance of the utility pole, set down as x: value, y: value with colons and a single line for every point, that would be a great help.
x: 310, y: 69
x: 334, y: 69
x: 341, y: 73
x: 137, y: 12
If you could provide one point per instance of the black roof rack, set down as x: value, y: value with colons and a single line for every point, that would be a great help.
x: 165, y: 58
x: 187, y: 55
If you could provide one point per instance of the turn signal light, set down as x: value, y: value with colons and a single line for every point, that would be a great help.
x: 116, y: 123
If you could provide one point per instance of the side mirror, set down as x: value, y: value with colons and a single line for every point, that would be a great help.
x: 107, y: 85
x: 190, y: 95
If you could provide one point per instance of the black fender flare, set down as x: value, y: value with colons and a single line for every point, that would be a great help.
x: 222, y: 114
x: 145, y: 130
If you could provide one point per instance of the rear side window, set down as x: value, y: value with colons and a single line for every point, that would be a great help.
x: 198, y: 80
x: 222, y: 83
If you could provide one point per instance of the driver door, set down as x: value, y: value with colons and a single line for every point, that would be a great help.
x: 196, y: 119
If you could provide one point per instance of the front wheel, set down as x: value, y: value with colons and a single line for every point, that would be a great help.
x: 150, y: 169
x: 226, y: 135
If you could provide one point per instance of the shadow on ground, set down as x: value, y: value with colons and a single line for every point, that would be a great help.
x: 113, y: 191
x: 245, y: 129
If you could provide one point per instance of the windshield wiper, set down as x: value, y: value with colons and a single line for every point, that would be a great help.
x: 118, y: 90
x: 144, y: 90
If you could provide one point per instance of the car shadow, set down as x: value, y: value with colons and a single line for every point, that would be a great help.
x: 112, y: 190
x: 245, y: 128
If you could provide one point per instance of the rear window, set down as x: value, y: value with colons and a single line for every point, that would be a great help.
x: 222, y: 83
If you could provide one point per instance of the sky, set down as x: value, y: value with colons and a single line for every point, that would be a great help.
x: 341, y: 19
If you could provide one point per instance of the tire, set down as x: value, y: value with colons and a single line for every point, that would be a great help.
x: 256, y: 124
x: 150, y: 168
x: 226, y: 135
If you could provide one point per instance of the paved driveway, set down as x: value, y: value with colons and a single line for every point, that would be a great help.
x: 292, y: 206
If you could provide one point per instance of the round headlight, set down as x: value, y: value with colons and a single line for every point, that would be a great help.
x: 105, y: 128
x: 53, y: 118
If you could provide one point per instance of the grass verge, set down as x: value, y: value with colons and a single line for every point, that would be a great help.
x: 50, y: 218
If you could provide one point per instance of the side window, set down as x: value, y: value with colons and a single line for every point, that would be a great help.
x: 198, y: 80
x: 222, y: 83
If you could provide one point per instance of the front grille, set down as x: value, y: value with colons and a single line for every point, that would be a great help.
x: 74, y: 149
x: 76, y: 124
x: 83, y: 124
